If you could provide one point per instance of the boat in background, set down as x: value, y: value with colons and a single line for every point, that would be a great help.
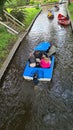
x: 50, y: 14
x: 43, y: 74
x: 56, y: 7
x: 63, y: 20
x: 62, y: 17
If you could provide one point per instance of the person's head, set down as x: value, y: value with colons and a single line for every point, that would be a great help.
x: 36, y: 52
x: 45, y: 58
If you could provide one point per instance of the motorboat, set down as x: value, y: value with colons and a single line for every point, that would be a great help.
x: 50, y: 14
x: 43, y: 74
x: 63, y: 20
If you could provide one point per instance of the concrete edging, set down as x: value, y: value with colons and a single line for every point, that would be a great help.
x: 14, y: 49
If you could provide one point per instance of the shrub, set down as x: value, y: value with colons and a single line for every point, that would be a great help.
x: 2, y: 29
x: 18, y: 14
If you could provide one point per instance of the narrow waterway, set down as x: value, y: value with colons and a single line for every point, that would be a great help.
x: 50, y: 105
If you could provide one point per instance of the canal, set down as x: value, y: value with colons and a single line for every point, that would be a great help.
x: 50, y: 105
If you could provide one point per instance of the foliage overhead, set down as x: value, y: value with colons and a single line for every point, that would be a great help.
x: 2, y: 2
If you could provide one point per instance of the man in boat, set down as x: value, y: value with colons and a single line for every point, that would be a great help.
x: 38, y: 56
x: 32, y: 60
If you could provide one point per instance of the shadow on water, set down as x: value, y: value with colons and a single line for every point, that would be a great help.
x: 49, y: 105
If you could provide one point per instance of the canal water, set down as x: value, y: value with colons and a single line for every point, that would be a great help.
x: 49, y: 105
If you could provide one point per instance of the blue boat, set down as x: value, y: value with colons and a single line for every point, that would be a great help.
x: 44, y: 74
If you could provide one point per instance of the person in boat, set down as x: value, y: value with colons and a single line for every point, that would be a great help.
x: 57, y: 7
x: 32, y: 60
x: 38, y: 56
x: 45, y: 62
x: 49, y: 14
x: 67, y: 17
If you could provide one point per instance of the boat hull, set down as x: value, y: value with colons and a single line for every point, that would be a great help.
x: 64, y: 22
x: 61, y: 17
x: 44, y: 74
x: 50, y: 15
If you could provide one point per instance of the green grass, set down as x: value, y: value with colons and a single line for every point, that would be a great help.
x: 50, y: 1
x: 30, y: 14
x: 5, y: 43
x: 70, y: 7
x: 7, y: 40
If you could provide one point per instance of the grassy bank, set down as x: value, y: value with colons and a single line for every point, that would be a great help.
x: 7, y: 40
x: 70, y: 8
x: 30, y: 14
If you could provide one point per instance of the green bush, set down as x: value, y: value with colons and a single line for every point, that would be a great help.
x: 37, y: 6
x: 2, y: 29
x: 18, y: 14
x: 32, y: 2
x: 70, y: 7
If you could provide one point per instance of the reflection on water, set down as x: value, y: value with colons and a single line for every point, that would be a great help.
x: 48, y: 106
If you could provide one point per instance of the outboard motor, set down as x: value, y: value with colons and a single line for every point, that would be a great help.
x: 35, y: 78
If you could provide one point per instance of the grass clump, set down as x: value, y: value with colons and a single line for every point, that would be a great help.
x: 6, y: 41
x: 70, y: 8
x: 30, y: 14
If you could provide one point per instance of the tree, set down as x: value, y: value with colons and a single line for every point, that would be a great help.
x: 2, y: 3
x: 20, y: 2
x: 27, y: 2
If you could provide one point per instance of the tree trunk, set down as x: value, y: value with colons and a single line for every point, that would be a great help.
x: 1, y: 9
x: 69, y: 2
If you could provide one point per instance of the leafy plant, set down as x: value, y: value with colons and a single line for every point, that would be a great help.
x: 18, y: 14
x: 70, y: 7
